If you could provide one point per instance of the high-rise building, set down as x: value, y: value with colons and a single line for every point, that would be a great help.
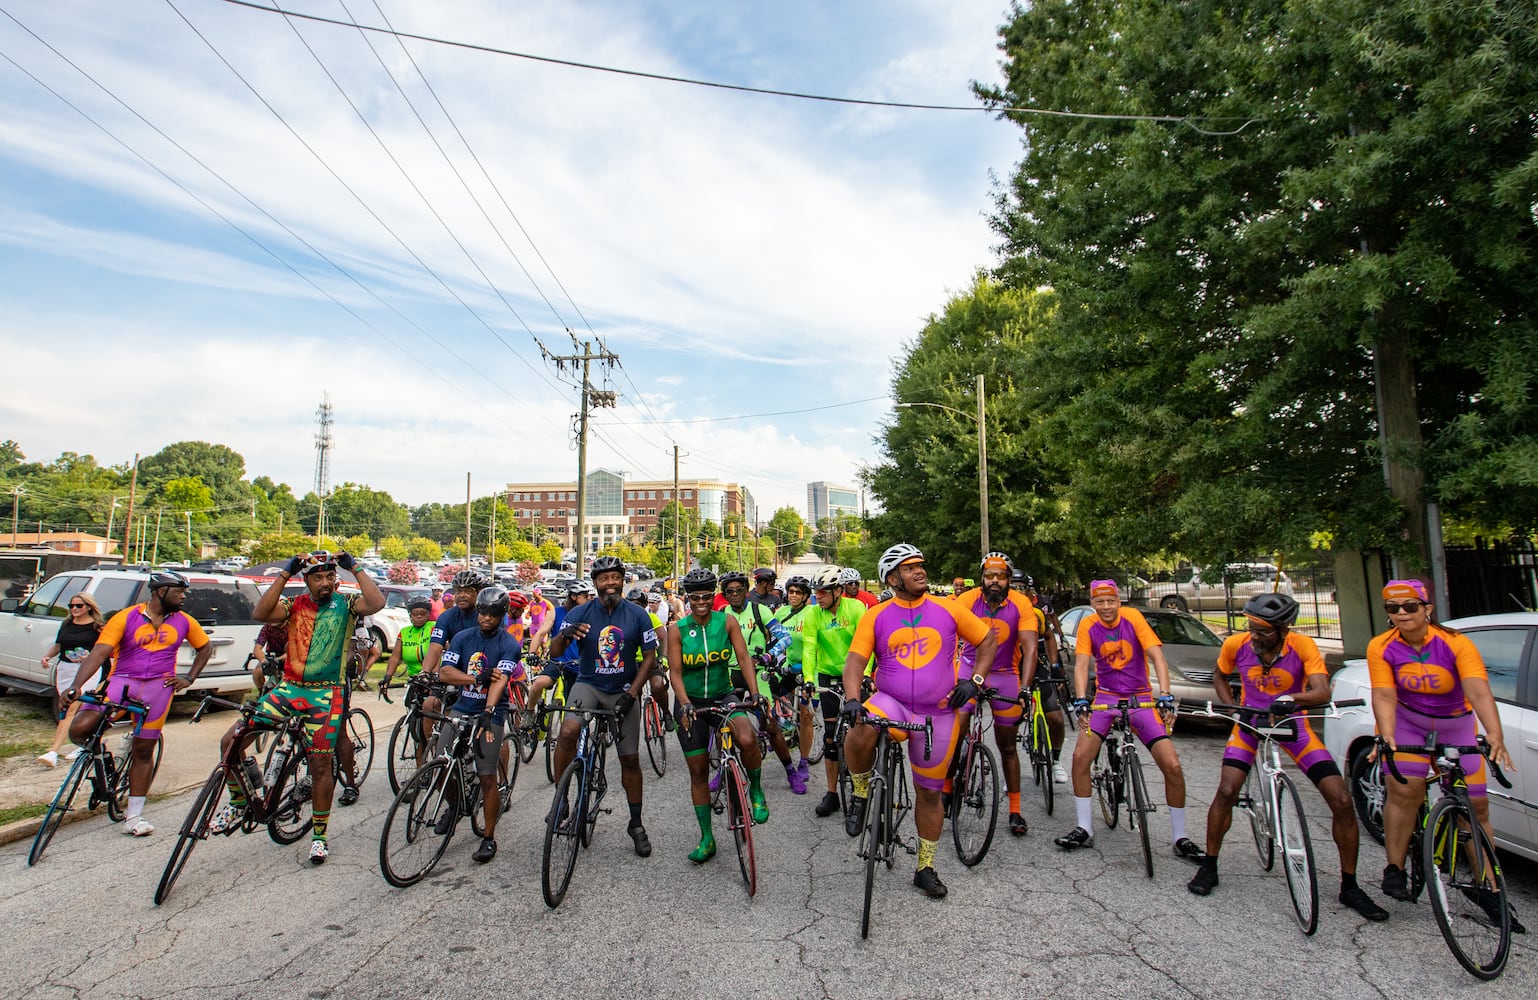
x: 827, y: 499
x: 619, y: 509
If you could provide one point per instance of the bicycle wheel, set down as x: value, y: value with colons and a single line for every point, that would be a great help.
x: 819, y: 733
x: 409, y: 845
x: 60, y: 806
x: 1297, y: 855
x: 1139, y: 807
x: 872, y: 845
x: 117, y: 781
x: 1041, y: 759
x: 194, y: 828
x: 656, y: 737
x: 292, y: 795
x: 975, y: 805
x: 1253, y: 799
x: 551, y: 732
x: 1108, y: 789
x: 562, y: 834
x: 405, y: 744
x: 360, y: 730
x: 528, y: 744
x: 595, y: 785
x: 1468, y: 891
x: 739, y: 819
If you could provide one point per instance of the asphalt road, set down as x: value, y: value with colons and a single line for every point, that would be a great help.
x: 249, y: 918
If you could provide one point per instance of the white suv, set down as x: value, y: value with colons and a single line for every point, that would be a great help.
x: 222, y: 604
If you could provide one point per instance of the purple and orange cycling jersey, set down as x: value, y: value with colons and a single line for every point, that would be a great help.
x: 1428, y: 680
x: 1120, y: 651
x: 1298, y: 660
x: 914, y: 643
x: 144, y: 650
x: 1014, y: 616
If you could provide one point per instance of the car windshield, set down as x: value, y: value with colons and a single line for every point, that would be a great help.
x: 1180, y: 630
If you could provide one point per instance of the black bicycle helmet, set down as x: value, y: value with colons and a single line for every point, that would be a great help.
x: 763, y: 573
x: 419, y: 602
x: 607, y: 564
x: 492, y: 600
x: 697, y: 580
x: 472, y: 579
x: 1277, y: 610
x: 798, y: 581
x: 636, y: 596
x: 166, y: 578
x: 733, y: 576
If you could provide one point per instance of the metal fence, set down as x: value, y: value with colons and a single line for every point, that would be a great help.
x: 1491, y: 577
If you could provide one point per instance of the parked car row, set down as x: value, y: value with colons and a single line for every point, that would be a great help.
x: 1190, y: 648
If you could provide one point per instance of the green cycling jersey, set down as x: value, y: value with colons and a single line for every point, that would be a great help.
x: 826, y: 637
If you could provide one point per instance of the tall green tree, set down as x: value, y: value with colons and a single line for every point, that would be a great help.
x: 788, y: 532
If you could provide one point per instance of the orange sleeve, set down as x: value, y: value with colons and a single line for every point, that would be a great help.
x: 1308, y: 651
x: 1228, y: 656
x: 970, y: 627
x: 112, y: 632
x: 1081, y: 636
x: 1378, y: 671
x: 1470, y: 663
x: 864, y: 643
x: 1027, y: 612
x: 195, y: 634
x: 1140, y: 628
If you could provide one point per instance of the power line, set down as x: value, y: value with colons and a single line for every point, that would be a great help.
x: 768, y: 91
x: 749, y: 416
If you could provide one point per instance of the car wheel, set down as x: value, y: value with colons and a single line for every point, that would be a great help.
x: 380, y: 641
x: 1367, y: 791
x: 1173, y: 602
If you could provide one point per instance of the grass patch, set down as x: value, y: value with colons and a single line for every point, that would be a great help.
x: 23, y: 747
x: 28, y: 811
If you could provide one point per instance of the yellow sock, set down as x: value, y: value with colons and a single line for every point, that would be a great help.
x: 861, y: 783
x: 1014, y: 802
x: 927, y: 853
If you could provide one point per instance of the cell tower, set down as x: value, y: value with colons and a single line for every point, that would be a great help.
x: 323, y: 419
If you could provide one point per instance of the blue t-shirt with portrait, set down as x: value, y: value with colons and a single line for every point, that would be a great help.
x: 611, y: 650
x: 451, y: 623
x: 469, y: 651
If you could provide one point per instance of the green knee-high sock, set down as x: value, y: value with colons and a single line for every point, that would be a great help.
x: 755, y: 780
x: 702, y: 816
x: 318, y: 832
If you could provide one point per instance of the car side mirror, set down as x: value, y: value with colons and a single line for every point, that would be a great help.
x: 9, y: 604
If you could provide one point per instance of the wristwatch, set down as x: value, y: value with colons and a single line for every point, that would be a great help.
x: 978, y: 679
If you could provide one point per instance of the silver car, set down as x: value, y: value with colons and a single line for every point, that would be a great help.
x: 1190, y: 648
x: 1506, y: 643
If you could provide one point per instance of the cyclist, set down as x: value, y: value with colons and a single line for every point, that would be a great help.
x: 657, y: 607
x: 541, y: 616
x: 1013, y: 620
x: 1282, y: 670
x: 515, y: 623
x: 320, y: 624
x: 703, y: 650
x: 913, y: 638
x: 481, y: 662
x: 850, y: 578
x: 825, y: 640
x: 767, y: 641
x: 1428, y: 678
x: 460, y: 615
x: 792, y: 614
x: 411, y: 645
x: 269, y: 639
x: 142, y: 641
x: 440, y: 603
x: 1050, y: 632
x: 1120, y: 644
x: 764, y: 590
x: 618, y: 649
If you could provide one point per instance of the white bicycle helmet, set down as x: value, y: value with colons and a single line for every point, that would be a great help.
x: 849, y: 575
x: 894, y: 557
x: 828, y: 579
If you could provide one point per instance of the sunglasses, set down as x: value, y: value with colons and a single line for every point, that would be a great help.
x: 700, y: 596
x: 1261, y: 630
x: 77, y: 607
x: 1408, y: 607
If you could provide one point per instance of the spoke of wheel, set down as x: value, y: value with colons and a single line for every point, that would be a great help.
x: 1467, y: 889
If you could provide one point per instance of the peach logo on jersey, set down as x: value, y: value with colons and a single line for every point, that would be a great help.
x: 1114, y: 653
x: 149, y: 638
x: 1001, y: 631
x: 1273, y: 682
x: 1425, y: 678
x: 915, y: 645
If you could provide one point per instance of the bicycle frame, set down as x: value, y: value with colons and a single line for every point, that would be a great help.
x: 889, y: 803
x: 263, y: 801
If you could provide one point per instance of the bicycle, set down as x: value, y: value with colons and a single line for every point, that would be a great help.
x: 654, y: 728
x: 358, y: 729
x: 801, y: 700
x: 1271, y: 800
x: 278, y: 797
x: 528, y: 742
x: 427, y: 809
x: 1450, y: 850
x: 553, y: 700
x: 889, y: 802
x: 1119, y: 780
x: 409, y: 738
x: 974, y: 800
x: 578, y: 797
x: 730, y: 795
x: 1036, y: 738
x: 108, y: 773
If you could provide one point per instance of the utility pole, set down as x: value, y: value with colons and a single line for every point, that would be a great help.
x: 128, y: 520
x: 491, y: 543
x: 15, y: 513
x: 592, y: 399
x: 467, y: 520
x: 189, y: 531
x: 982, y: 461
x: 678, y: 510
x: 111, y: 516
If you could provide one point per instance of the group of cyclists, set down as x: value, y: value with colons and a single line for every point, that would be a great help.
x: 769, y: 657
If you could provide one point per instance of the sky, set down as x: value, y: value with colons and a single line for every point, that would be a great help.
x: 244, y: 214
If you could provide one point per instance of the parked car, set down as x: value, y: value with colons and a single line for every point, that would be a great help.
x: 222, y: 604
x: 1219, y: 588
x: 1507, y: 644
x: 1190, y: 649
x: 397, y: 594
x: 386, y: 624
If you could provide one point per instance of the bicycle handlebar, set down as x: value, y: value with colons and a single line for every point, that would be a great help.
x: 133, y: 706
x: 928, y: 727
x: 1447, y: 751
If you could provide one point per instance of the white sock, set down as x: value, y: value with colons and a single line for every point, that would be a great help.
x: 135, y: 807
x: 1084, y: 807
x: 1177, y: 822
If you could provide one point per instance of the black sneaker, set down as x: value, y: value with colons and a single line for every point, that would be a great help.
x: 1354, y: 898
x: 643, y: 844
x: 1186, y: 848
x: 1490, y: 902
x: 1206, y: 877
x: 1074, y: 839
x: 349, y: 795
x: 485, y: 852
x: 928, y: 881
x: 445, y: 823
x: 1017, y: 825
x: 828, y: 806
x: 855, y: 821
x: 1395, y: 885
